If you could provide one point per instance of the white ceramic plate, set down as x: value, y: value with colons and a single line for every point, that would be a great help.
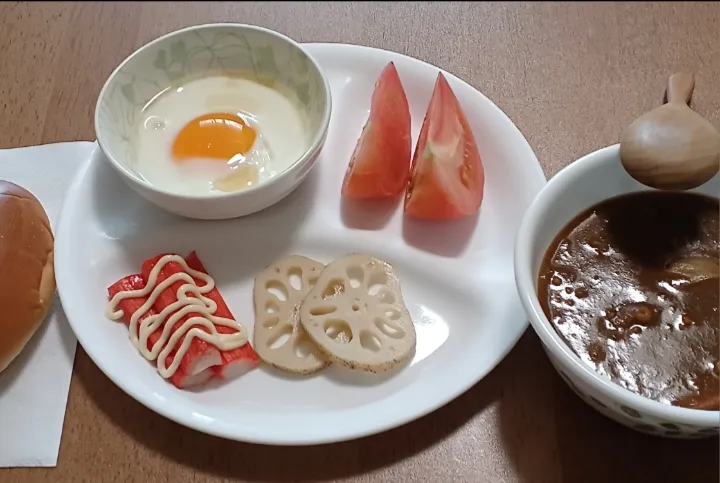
x: 457, y: 277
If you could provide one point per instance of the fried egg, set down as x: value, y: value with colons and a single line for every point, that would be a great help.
x: 218, y: 134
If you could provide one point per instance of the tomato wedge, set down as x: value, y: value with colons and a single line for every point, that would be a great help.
x: 380, y: 164
x: 447, y: 179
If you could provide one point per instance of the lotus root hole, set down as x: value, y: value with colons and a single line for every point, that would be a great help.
x: 356, y: 275
x: 355, y: 307
x: 339, y: 331
x: 271, y: 307
x: 312, y: 281
x: 389, y: 328
x: 271, y: 322
x: 386, y: 296
x: 295, y: 277
x: 281, y: 338
x: 303, y: 348
x: 323, y: 310
x: 277, y: 288
x: 392, y: 314
x: 334, y: 288
x: 370, y: 341
x: 378, y: 280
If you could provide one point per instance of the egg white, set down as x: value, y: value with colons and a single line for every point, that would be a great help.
x: 281, y: 132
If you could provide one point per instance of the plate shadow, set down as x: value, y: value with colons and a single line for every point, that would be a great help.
x: 446, y: 238
x: 232, y: 250
x: 252, y: 462
x: 368, y: 214
x: 121, y: 210
x: 347, y: 377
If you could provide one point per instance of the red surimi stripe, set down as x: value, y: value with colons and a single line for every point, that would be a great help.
x: 130, y: 305
x: 236, y: 361
x: 200, y: 355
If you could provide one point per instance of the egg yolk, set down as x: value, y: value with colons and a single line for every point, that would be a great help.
x: 219, y: 136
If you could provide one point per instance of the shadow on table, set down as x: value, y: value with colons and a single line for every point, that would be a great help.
x: 593, y: 448
x: 250, y: 462
x: 526, y: 413
x: 551, y: 435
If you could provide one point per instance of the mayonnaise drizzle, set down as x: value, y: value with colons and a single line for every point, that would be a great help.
x: 197, y: 303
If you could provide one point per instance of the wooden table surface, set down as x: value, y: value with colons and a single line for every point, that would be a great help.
x: 571, y: 76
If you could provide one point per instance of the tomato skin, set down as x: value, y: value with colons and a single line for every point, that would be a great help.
x: 380, y: 164
x: 447, y: 178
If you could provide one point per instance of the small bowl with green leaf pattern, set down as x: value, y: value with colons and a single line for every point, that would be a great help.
x: 255, y: 53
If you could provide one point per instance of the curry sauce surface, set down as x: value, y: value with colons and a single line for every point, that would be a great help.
x: 610, y: 287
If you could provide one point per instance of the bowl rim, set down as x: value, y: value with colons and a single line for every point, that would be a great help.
x: 539, y: 209
x: 317, y: 140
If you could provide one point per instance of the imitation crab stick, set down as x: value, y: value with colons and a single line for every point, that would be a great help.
x: 130, y: 305
x: 234, y: 362
x: 200, y: 355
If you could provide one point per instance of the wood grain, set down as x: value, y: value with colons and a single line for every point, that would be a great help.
x: 672, y: 147
x: 571, y: 76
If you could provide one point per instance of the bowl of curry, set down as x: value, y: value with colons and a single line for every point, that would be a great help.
x: 622, y: 283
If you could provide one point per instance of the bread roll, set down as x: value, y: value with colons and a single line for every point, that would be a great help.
x: 27, y: 276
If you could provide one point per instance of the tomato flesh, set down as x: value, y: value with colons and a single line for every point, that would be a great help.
x: 447, y: 178
x: 380, y: 164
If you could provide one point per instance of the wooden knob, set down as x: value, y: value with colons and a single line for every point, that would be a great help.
x: 680, y: 88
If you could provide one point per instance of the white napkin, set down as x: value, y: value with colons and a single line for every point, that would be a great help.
x: 34, y: 388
